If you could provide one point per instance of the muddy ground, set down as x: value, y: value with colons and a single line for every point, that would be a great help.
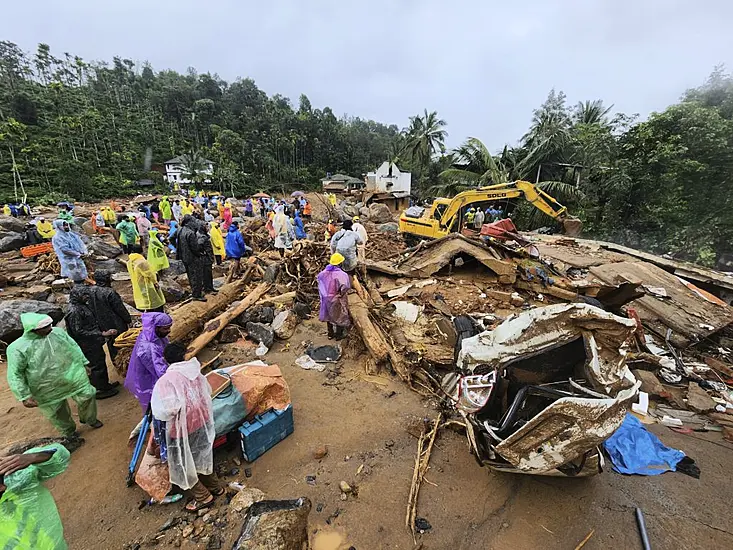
x: 365, y: 421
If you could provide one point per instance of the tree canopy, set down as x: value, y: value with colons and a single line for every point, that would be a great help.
x: 88, y: 130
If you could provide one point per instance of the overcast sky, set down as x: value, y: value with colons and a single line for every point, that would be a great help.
x: 482, y: 64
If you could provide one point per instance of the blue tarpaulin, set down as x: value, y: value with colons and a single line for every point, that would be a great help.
x: 634, y: 450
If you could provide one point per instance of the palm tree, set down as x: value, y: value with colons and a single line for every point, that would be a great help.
x: 475, y: 166
x: 194, y: 166
x: 591, y: 112
x: 425, y: 138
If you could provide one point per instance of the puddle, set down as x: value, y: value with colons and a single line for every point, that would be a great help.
x: 328, y: 540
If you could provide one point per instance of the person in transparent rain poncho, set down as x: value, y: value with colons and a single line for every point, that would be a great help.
x: 182, y: 409
x: 70, y: 251
x: 333, y: 284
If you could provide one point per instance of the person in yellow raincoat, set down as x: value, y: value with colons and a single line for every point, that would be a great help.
x: 217, y: 242
x: 186, y: 207
x: 29, y: 518
x: 145, y: 288
x: 110, y: 218
x: 45, y: 228
x: 165, y: 210
x: 156, y: 253
x: 6, y: 210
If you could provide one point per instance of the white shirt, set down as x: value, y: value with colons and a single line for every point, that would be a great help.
x: 361, y: 231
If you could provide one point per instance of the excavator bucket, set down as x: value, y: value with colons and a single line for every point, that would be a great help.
x: 572, y: 226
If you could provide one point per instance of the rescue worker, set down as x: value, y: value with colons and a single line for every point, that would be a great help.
x: 470, y: 215
x: 177, y: 211
x: 235, y: 247
x: 29, y: 518
x: 182, y: 400
x: 128, y: 234
x: 333, y: 284
x: 283, y: 231
x: 165, y: 210
x: 45, y: 368
x: 69, y: 250
x: 145, y: 288
x: 108, y: 308
x: 110, y: 218
x: 217, y: 242
x: 307, y: 210
x: 45, y: 229
x: 227, y: 216
x: 360, y: 248
x: 478, y: 219
x: 84, y: 328
x: 299, y: 228
x: 143, y: 226
x: 207, y: 247
x: 6, y: 210
x: 157, y: 258
x: 190, y: 253
x: 345, y: 242
x: 146, y: 362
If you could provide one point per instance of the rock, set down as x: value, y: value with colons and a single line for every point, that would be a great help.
x: 88, y: 228
x: 261, y: 333
x: 10, y: 311
x: 79, y: 221
x: 122, y: 276
x: 38, y: 292
x: 257, y: 314
x: 48, y: 279
x: 345, y: 487
x: 516, y: 300
x: 187, y: 530
x: 214, y: 542
x: 275, y: 524
x: 61, y: 284
x: 229, y: 334
x: 103, y: 248
x: 246, y: 498
x: 302, y: 310
x: 698, y: 399
x: 113, y: 266
x: 209, y: 517
x: 176, y: 267
x: 390, y: 227
x: 284, y: 324
x: 343, y: 496
x: 11, y: 224
x: 364, y: 213
x: 379, y: 213
x: 320, y: 452
x: 499, y: 295
x: 271, y: 272
x: 350, y: 210
x: 172, y: 291
x: 12, y: 241
x: 171, y: 522
x: 237, y: 461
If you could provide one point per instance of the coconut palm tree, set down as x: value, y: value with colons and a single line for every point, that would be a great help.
x: 194, y: 166
x: 591, y: 112
x: 425, y: 138
x: 475, y: 166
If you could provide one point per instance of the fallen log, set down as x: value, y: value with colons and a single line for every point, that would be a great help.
x: 549, y: 290
x: 372, y: 337
x: 213, y: 327
x: 280, y: 299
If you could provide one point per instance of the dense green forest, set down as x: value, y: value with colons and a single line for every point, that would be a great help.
x: 83, y: 130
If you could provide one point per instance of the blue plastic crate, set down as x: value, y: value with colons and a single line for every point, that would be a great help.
x: 265, y: 431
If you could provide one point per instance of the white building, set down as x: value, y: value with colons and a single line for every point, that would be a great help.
x: 389, y: 179
x: 175, y: 168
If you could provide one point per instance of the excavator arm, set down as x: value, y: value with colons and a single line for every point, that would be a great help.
x: 537, y: 197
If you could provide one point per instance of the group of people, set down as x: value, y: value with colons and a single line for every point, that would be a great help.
x: 476, y: 217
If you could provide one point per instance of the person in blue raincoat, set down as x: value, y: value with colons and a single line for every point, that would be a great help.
x: 70, y: 250
x: 299, y: 229
x: 235, y: 246
x: 173, y: 235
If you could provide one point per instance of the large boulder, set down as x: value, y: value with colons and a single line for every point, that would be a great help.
x: 113, y: 266
x: 10, y: 311
x: 379, y: 213
x: 14, y: 225
x: 261, y: 333
x: 79, y: 221
x: 176, y: 268
x: 390, y: 227
x: 257, y: 314
x: 87, y: 227
x: 364, y: 213
x: 12, y: 241
x: 351, y: 210
x: 172, y: 291
x: 281, y: 524
x: 103, y: 248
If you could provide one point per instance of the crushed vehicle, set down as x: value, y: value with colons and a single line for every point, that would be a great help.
x: 544, y: 389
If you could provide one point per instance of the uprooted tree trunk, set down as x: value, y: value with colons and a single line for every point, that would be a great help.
x: 215, y: 326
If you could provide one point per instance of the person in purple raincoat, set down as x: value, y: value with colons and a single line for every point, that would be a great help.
x: 333, y: 284
x: 147, y: 364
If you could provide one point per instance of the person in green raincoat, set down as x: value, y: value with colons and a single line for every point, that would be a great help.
x: 29, y: 519
x: 128, y: 234
x: 165, y: 209
x: 46, y: 368
x: 157, y: 258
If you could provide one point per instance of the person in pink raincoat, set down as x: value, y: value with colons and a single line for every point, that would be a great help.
x: 147, y: 364
x: 333, y: 284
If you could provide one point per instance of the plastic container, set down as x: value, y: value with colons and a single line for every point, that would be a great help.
x: 265, y: 431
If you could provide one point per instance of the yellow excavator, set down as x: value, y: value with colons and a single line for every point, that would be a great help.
x: 444, y: 215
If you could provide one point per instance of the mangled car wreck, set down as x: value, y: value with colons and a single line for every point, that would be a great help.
x: 544, y: 389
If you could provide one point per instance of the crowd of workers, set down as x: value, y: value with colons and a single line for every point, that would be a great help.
x: 48, y: 366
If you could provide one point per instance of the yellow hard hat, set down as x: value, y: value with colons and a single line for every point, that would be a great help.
x: 336, y: 259
x: 355, y: 218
